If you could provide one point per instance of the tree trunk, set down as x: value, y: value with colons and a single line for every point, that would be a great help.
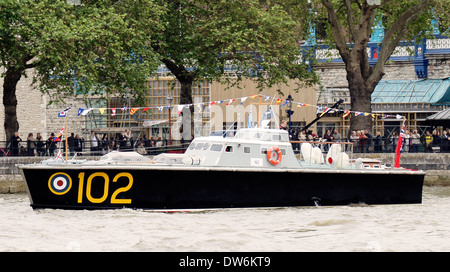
x: 186, y: 80
x: 11, y: 124
x: 187, y: 128
x: 360, y: 100
x: 185, y: 90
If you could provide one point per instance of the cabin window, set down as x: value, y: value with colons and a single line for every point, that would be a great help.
x: 191, y: 146
x: 205, y: 146
x: 229, y: 148
x: 199, y: 146
x: 216, y: 147
x: 247, y: 149
x: 276, y: 137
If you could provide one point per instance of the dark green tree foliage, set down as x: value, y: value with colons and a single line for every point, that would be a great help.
x: 97, y: 45
x: 107, y: 46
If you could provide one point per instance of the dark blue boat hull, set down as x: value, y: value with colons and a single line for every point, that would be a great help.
x: 213, y: 188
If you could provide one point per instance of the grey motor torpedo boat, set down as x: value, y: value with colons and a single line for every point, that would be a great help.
x: 253, y: 168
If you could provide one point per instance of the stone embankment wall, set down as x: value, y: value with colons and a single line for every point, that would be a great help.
x: 435, y: 164
x: 11, y: 181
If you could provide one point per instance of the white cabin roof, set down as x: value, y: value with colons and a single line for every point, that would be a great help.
x: 246, y: 149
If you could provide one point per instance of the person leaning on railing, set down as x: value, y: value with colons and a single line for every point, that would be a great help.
x: 31, y: 144
x: 415, y: 141
x: 378, y: 143
x: 428, y: 141
x: 445, y: 141
x: 40, y: 145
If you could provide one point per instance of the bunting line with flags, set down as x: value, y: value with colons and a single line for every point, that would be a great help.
x: 228, y: 102
x: 133, y: 111
x: 325, y: 111
x: 347, y: 113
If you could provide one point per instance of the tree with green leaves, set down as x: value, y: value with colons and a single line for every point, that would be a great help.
x: 349, y: 26
x: 229, y: 40
x: 94, y: 48
x: 105, y: 46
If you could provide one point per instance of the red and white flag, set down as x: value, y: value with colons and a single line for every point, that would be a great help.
x: 230, y: 101
x: 58, y: 137
x: 399, y: 146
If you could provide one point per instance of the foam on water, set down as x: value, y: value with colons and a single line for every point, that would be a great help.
x: 418, y: 227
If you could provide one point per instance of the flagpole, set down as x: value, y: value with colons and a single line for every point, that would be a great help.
x: 66, y: 138
x: 399, y: 145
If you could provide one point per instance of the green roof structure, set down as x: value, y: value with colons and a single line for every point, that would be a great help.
x: 433, y: 91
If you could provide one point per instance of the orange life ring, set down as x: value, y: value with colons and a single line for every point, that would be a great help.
x: 269, y: 155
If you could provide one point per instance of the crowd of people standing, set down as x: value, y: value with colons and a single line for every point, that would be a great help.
x: 123, y: 142
x: 94, y: 144
x: 38, y: 146
x: 364, y: 142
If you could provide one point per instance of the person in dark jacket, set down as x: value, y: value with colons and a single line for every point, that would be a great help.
x: 51, y: 145
x: 329, y: 138
x: 40, y: 145
x: 15, y: 140
x: 378, y: 143
x: 71, y: 144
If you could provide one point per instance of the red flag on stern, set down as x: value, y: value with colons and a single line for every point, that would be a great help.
x: 399, y: 145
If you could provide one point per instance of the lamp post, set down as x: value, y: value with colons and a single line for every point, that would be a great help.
x: 170, y: 99
x: 289, y: 112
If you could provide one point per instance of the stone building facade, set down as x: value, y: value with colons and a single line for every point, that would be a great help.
x: 35, y: 115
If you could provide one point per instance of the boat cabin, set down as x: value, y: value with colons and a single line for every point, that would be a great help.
x: 249, y: 147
